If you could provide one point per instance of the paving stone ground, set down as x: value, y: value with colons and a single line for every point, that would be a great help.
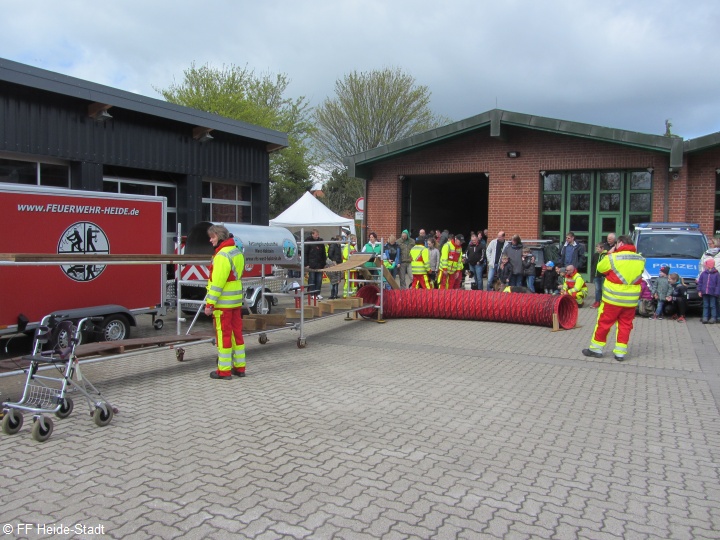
x: 408, y: 429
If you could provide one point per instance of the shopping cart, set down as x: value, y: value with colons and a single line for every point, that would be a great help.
x: 49, y: 395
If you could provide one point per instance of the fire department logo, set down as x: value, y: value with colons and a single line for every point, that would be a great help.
x: 83, y: 237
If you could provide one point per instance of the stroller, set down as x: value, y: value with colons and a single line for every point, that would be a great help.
x: 49, y: 395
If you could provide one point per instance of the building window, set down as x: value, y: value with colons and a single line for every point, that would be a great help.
x: 226, y: 203
x: 552, y: 206
x: 639, y: 208
x: 593, y: 204
x: 168, y: 190
x: 33, y: 173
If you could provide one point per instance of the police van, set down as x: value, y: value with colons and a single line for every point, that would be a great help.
x: 677, y: 245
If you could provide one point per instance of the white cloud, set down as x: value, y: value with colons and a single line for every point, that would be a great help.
x: 628, y: 65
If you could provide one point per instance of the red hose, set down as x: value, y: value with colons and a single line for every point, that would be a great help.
x: 537, y: 309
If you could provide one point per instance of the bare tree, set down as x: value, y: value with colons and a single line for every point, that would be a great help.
x: 371, y: 109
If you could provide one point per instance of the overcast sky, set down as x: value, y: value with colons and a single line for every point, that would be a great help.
x: 625, y: 64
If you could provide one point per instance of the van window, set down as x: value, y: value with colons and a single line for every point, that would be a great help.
x: 668, y: 245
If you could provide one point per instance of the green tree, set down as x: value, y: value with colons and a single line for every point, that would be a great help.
x: 238, y: 93
x: 370, y: 109
x: 341, y: 192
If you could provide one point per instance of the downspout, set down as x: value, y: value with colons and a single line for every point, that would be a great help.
x: 365, y: 212
x: 666, y: 202
x: 676, y: 163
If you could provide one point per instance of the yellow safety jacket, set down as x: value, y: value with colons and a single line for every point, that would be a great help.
x: 575, y: 284
x: 224, y: 289
x: 419, y: 260
x: 348, y: 250
x: 623, y: 273
x: 450, y: 258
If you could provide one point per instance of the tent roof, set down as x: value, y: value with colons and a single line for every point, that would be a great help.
x: 307, y: 211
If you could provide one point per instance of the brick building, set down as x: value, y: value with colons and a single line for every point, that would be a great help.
x: 538, y: 177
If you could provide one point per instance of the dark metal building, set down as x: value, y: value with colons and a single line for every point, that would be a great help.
x: 61, y: 131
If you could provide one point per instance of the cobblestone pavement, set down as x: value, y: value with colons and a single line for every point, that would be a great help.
x: 408, y: 429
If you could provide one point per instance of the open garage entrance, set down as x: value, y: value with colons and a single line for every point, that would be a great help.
x: 457, y: 202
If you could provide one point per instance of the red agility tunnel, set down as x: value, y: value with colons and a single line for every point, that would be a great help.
x: 521, y: 308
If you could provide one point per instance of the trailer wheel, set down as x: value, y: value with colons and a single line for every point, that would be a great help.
x: 103, y: 415
x: 301, y: 343
x: 42, y: 429
x: 65, y: 408
x: 63, y: 334
x: 158, y: 324
x: 262, y: 306
x: 12, y: 422
x: 115, y: 328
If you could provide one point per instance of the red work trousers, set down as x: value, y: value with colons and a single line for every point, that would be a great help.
x: 230, y: 343
x: 609, y: 315
x: 420, y: 281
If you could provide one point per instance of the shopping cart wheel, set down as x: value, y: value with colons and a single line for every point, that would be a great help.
x: 12, y: 422
x: 263, y: 339
x: 301, y: 343
x: 42, y: 428
x: 65, y: 408
x: 102, y: 415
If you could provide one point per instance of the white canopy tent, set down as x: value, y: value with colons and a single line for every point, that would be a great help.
x: 309, y: 213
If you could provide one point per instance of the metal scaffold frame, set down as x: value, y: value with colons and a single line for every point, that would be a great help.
x: 302, y: 296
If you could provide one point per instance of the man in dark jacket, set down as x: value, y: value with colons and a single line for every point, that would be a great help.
x: 475, y: 256
x: 514, y: 252
x: 334, y: 252
x: 404, y: 273
x: 315, y: 259
x: 391, y: 253
x: 572, y: 252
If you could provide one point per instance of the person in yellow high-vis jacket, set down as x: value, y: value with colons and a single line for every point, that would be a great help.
x: 623, y: 271
x: 574, y: 285
x: 349, y: 249
x: 450, y: 274
x: 420, y: 264
x: 224, y: 302
x: 456, y: 278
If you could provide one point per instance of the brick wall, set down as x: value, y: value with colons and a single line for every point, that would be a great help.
x: 701, y: 189
x: 514, y: 203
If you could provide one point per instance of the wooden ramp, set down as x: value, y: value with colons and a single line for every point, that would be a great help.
x: 111, y: 348
x: 103, y: 348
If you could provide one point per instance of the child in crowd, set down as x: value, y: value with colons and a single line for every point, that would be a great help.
x: 549, y: 278
x: 645, y: 302
x: 560, y: 280
x: 661, y: 290
x: 334, y: 278
x: 390, y: 265
x: 599, y: 279
x: 677, y: 299
x: 528, y: 264
x: 708, y: 287
x: 505, y: 270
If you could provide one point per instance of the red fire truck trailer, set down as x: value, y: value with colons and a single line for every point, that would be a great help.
x: 69, y: 223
